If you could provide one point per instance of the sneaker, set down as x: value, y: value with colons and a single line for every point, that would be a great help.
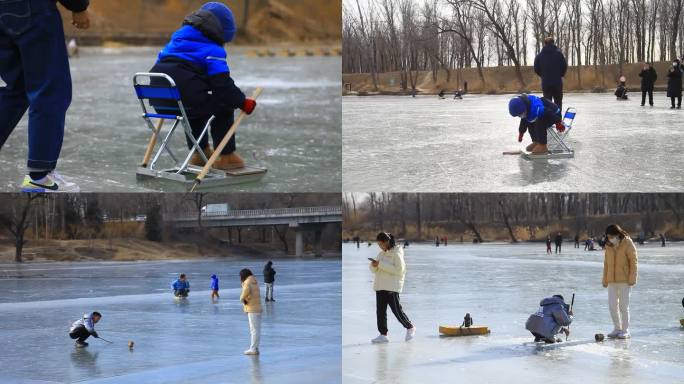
x: 624, y: 335
x: 381, y: 339
x: 272, y: 300
x: 410, y: 333
x: 53, y: 182
x: 614, y: 334
x: 81, y: 344
x: 252, y: 351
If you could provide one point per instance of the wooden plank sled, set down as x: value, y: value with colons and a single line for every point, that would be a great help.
x: 550, y: 155
x: 457, y: 330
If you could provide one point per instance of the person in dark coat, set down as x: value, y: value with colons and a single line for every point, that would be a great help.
x: 551, y: 66
x: 674, y: 84
x: 536, y: 115
x: 34, y: 65
x: 648, y: 78
x: 551, y: 319
x: 558, y: 240
x: 269, y: 279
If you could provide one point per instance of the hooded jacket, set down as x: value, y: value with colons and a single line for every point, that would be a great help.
x: 539, y: 111
x: 553, y: 314
x: 269, y: 273
x: 550, y: 65
x: 86, y: 321
x: 214, y: 283
x: 178, y: 284
x: 391, y: 269
x: 620, y: 263
x: 250, y: 294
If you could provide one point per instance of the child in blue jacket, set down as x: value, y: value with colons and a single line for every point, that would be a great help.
x: 214, y: 287
x: 551, y: 319
x: 197, y: 62
x: 181, y: 286
x: 536, y: 115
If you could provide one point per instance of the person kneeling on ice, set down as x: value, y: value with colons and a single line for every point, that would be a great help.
x: 536, y: 115
x: 84, y: 327
x: 181, y: 286
x: 251, y: 304
x: 551, y: 319
x: 621, y: 90
x: 197, y: 62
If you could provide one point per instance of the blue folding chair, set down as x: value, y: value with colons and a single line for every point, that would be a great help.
x: 558, y: 146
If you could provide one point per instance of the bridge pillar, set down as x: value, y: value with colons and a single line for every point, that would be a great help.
x: 319, y: 241
x: 299, y: 242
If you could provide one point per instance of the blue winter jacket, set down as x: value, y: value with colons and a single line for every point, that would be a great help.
x: 214, y: 283
x: 553, y: 314
x: 178, y: 285
x: 550, y: 65
x: 191, y: 45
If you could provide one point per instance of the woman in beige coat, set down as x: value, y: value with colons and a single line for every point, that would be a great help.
x: 389, y: 270
x: 619, y: 276
x: 251, y: 304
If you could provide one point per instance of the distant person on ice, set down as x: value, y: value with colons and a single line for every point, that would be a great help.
x: 621, y: 90
x: 197, y: 62
x: 389, y: 269
x: 552, y: 318
x: 214, y: 287
x: 83, y: 328
x: 558, y: 240
x: 662, y: 240
x: 269, y: 279
x: 648, y: 78
x: 34, y: 64
x: 251, y: 304
x: 674, y: 84
x: 548, y: 245
x: 550, y: 65
x: 536, y: 115
x: 619, y: 276
x: 181, y: 286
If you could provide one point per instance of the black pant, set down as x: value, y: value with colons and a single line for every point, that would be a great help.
x: 558, y: 248
x: 382, y: 300
x: 80, y: 333
x: 181, y: 292
x: 650, y: 97
x: 555, y: 94
x: 219, y: 128
x: 679, y: 101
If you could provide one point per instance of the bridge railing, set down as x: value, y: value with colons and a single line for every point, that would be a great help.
x: 260, y: 213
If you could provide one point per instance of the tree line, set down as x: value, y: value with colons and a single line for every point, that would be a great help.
x: 409, y: 36
x: 398, y: 211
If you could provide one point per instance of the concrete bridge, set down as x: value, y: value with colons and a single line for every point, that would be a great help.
x: 303, y: 219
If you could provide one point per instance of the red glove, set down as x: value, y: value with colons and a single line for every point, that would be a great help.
x: 560, y: 127
x: 248, y: 106
x: 520, y: 137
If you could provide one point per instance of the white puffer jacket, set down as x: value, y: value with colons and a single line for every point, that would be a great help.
x: 389, y: 274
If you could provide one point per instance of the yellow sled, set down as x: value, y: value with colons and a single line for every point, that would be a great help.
x: 456, y: 330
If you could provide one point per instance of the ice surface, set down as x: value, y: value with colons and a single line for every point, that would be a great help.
x: 295, y: 131
x: 431, y: 145
x: 500, y: 285
x: 192, y: 341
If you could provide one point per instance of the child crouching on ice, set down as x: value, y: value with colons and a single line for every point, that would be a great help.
x: 536, y: 115
x: 197, y: 62
x: 551, y: 319
x: 251, y: 304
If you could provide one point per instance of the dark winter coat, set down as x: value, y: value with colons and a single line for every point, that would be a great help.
x: 558, y: 240
x: 648, y: 79
x: 674, y: 82
x: 553, y: 314
x: 550, y: 65
x: 269, y: 273
x: 75, y: 5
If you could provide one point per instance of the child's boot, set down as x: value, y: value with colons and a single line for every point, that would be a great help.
x: 530, y: 147
x: 229, y: 162
x: 197, y: 160
x: 540, y: 149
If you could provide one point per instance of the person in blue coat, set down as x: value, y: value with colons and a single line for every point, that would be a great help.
x: 34, y: 65
x: 551, y: 66
x: 551, y: 319
x: 214, y: 287
x: 197, y: 62
x: 181, y: 286
x: 536, y: 115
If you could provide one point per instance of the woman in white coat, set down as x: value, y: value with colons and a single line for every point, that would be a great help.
x: 389, y: 270
x: 619, y: 276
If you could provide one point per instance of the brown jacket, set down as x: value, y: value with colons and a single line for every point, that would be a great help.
x: 620, y: 263
x: 250, y: 294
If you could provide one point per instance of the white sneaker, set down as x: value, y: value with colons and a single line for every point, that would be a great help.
x: 53, y: 182
x: 624, y: 335
x: 410, y: 333
x: 380, y: 339
x: 66, y: 185
x: 252, y: 351
x: 614, y: 334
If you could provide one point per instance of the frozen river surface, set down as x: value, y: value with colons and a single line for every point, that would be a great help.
x: 193, y: 341
x: 294, y: 132
x: 500, y: 286
x: 398, y: 144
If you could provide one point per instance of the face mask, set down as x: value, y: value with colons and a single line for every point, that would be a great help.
x: 615, y: 240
